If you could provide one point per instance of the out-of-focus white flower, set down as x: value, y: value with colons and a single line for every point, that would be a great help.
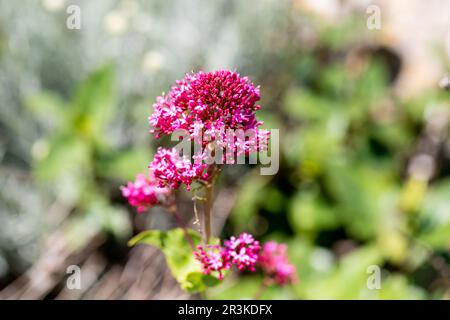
x: 421, y: 167
x: 445, y: 81
x: 116, y: 22
x: 53, y: 5
x: 129, y: 7
x: 40, y: 149
x: 321, y: 260
x: 328, y: 9
x: 153, y: 61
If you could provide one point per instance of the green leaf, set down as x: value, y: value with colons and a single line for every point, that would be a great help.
x: 434, y: 220
x: 251, y: 194
x: 124, y: 164
x: 199, y: 281
x: 94, y: 102
x: 347, y: 281
x: 48, y: 108
x: 179, y: 256
x: 152, y: 237
x: 67, y: 156
x: 309, y: 213
x: 304, y: 105
x: 359, y: 192
x: 397, y: 287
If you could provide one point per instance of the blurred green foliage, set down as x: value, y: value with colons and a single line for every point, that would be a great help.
x: 78, y: 159
x: 343, y: 199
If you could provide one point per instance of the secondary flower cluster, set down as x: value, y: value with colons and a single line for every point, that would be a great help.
x: 171, y: 169
x: 275, y: 265
x: 212, y: 258
x: 245, y: 253
x: 144, y: 192
x: 241, y: 252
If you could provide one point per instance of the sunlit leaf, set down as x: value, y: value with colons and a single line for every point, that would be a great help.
x: 179, y: 256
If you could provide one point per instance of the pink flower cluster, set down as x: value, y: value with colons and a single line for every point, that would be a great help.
x: 245, y: 253
x: 212, y: 258
x: 144, y: 193
x: 242, y: 252
x: 172, y: 170
x: 211, y: 107
x: 204, y: 105
x: 219, y: 99
x: 274, y: 263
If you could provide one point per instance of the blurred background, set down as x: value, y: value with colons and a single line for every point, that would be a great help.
x: 363, y: 115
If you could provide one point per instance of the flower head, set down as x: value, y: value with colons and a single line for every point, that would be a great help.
x: 214, y: 98
x: 210, y: 104
x: 242, y: 251
x: 212, y: 258
x: 144, y: 193
x: 172, y: 170
x: 274, y: 263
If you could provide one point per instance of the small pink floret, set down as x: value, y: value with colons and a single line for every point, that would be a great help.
x: 275, y: 264
x: 144, y: 193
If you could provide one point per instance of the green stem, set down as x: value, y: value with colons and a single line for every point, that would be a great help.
x: 208, y: 211
x: 173, y: 210
x: 261, y: 289
x: 213, y: 171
